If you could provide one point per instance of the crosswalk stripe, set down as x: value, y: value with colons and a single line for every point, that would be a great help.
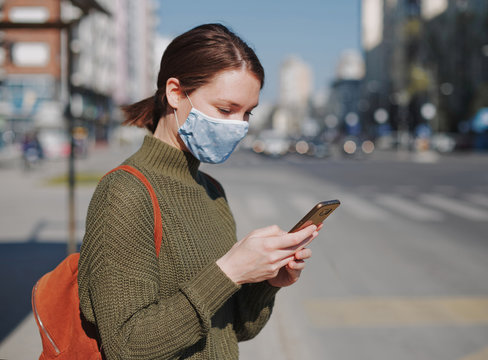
x: 456, y: 207
x: 362, y: 209
x: 261, y: 206
x: 479, y: 199
x: 409, y: 208
x: 303, y: 202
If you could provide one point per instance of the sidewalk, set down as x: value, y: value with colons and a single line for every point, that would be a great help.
x: 34, y: 216
x: 33, y: 236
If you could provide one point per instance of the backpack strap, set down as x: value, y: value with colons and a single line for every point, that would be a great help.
x: 158, y: 222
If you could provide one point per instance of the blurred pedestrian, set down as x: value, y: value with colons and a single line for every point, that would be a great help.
x: 32, y: 152
x: 206, y: 291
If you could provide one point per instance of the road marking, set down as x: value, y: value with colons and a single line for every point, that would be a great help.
x: 479, y: 355
x: 397, y: 312
x: 261, y: 206
x: 448, y: 190
x: 479, y: 199
x: 405, y: 189
x: 367, y: 189
x: 362, y: 209
x: 303, y: 203
x: 409, y: 208
x: 456, y: 207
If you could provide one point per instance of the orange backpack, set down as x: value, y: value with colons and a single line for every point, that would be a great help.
x: 65, y: 334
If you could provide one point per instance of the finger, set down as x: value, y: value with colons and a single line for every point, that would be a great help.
x: 286, y: 261
x: 297, y: 265
x: 321, y: 225
x: 288, y: 240
x: 293, y: 250
x: 303, y: 254
x: 273, y: 230
x: 305, y: 242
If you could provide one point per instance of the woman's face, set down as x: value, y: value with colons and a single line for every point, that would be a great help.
x: 232, y: 94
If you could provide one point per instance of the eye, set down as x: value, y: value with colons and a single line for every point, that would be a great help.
x: 224, y: 111
x: 247, y: 115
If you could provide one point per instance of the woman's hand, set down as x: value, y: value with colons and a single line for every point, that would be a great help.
x: 290, y: 273
x: 264, y: 252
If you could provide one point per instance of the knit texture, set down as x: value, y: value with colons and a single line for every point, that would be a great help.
x: 180, y: 305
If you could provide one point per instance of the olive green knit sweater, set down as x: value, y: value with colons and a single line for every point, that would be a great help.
x: 180, y: 306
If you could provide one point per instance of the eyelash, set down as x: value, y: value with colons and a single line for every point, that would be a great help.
x: 225, y: 111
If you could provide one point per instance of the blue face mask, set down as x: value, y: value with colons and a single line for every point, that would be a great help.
x: 211, y: 140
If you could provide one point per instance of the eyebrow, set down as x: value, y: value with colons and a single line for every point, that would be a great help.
x: 235, y: 104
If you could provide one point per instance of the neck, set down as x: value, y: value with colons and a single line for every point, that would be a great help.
x: 161, y: 157
x: 166, y: 131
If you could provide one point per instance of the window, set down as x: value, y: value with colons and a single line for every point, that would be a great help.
x: 28, y: 14
x: 32, y: 54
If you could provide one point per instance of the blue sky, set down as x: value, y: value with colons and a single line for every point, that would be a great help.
x: 316, y: 30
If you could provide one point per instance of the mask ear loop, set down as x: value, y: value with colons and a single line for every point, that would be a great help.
x: 189, y: 99
x: 176, y: 119
x: 174, y: 111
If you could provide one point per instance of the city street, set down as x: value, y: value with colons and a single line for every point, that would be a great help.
x: 398, y: 272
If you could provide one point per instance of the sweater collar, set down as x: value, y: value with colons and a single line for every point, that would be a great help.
x: 160, y: 156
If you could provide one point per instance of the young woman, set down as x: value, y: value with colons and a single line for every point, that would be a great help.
x: 205, y: 291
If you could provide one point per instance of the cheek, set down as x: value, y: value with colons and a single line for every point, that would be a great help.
x: 185, y: 111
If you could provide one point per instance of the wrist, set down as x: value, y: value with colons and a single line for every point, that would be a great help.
x: 226, y: 268
x: 270, y: 283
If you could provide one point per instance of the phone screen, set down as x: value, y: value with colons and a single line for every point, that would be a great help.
x: 317, y: 215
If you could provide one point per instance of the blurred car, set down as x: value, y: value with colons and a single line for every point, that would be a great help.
x: 315, y: 147
x: 443, y: 142
x: 271, y: 144
x: 355, y: 146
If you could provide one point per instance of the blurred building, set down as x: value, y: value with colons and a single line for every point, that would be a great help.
x: 390, y: 40
x: 426, y: 63
x: 455, y: 54
x: 31, y: 65
x: 161, y: 42
x: 141, y: 37
x: 295, y: 91
x: 344, y: 99
x: 47, y: 72
x: 103, y: 81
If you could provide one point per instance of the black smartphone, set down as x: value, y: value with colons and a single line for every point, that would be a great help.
x: 317, y: 215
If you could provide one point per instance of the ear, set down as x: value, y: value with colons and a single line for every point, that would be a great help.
x: 173, y: 92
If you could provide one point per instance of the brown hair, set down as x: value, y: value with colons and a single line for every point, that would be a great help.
x: 194, y: 58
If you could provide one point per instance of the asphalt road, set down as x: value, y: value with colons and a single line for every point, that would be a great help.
x: 398, y: 272
x: 400, y: 269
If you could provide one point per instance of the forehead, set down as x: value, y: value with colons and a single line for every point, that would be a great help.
x: 237, y: 86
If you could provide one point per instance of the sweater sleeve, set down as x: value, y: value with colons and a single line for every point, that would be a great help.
x: 254, y: 302
x: 254, y: 306
x: 133, y: 320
